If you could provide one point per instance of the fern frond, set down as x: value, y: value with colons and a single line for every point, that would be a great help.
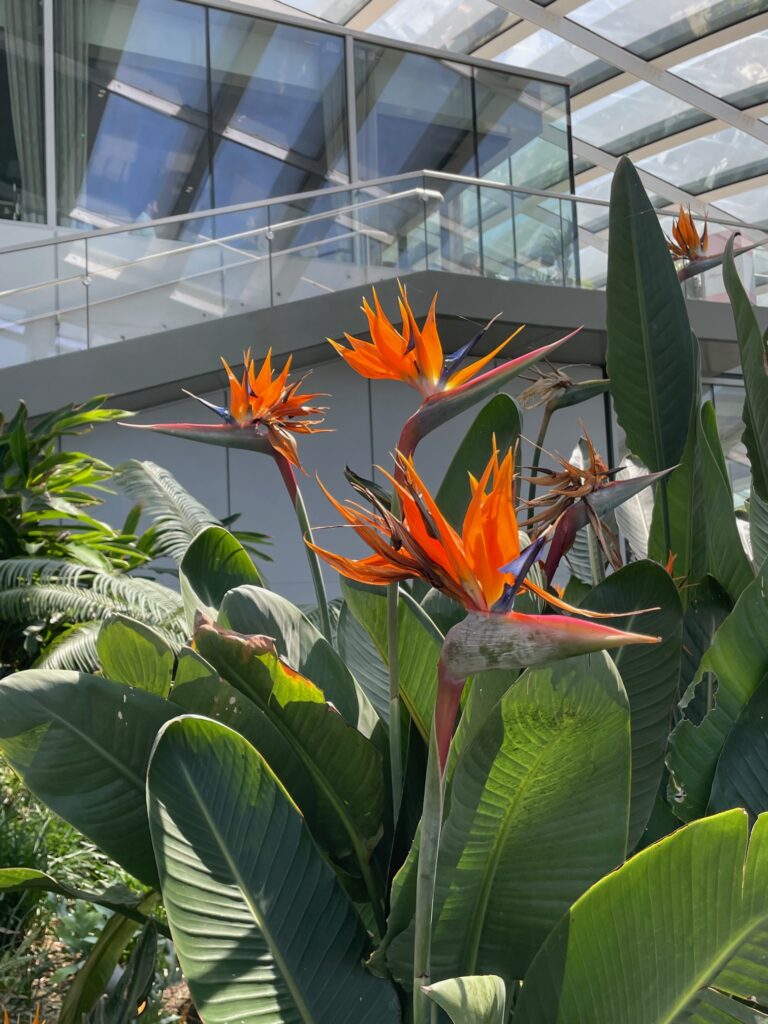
x: 74, y: 650
x: 176, y: 516
x: 44, y: 601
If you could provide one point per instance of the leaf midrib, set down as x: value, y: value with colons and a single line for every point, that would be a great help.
x: 250, y: 902
x: 474, y: 932
x: 708, y: 976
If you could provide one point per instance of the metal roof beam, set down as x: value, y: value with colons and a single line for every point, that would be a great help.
x: 644, y: 70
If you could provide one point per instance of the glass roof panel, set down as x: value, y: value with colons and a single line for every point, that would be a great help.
x: 632, y: 117
x: 456, y: 26
x: 544, y: 51
x: 332, y: 10
x: 750, y: 206
x: 738, y: 71
x: 710, y: 162
x: 650, y: 27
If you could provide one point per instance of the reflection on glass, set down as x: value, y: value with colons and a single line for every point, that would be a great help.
x: 651, y: 27
x: 710, y: 162
x: 22, y: 153
x: 456, y: 26
x: 279, y: 122
x: 412, y: 112
x: 521, y: 130
x: 631, y: 117
x: 543, y: 51
x: 738, y: 71
x: 130, y: 110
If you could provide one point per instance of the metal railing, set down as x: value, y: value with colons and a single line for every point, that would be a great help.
x: 91, y: 288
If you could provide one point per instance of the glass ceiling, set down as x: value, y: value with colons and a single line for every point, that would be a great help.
x: 718, y: 46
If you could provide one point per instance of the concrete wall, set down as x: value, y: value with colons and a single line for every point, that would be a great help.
x: 366, y: 418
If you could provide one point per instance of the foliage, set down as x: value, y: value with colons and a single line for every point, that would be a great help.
x: 568, y: 865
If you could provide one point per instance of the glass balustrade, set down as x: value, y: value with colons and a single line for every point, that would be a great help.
x: 82, y: 291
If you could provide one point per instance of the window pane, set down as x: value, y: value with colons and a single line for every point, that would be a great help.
x: 130, y: 110
x: 279, y: 122
x: 521, y: 128
x: 413, y: 112
x: 456, y: 26
x: 22, y: 149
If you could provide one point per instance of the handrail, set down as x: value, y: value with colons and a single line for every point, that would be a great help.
x: 424, y: 193
x: 392, y: 179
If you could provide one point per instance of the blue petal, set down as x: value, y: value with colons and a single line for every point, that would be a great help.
x: 456, y: 357
x: 520, y: 567
x: 220, y: 410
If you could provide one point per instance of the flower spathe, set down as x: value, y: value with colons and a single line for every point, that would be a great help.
x: 413, y: 355
x: 686, y: 242
x: 481, y: 566
x: 264, y: 413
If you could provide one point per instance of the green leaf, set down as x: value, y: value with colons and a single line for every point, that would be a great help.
x: 549, y: 767
x: 118, y: 898
x: 419, y: 645
x: 133, y: 653
x: 214, y: 563
x: 647, y: 941
x: 650, y: 673
x: 686, y: 500
x: 359, y: 652
x: 479, y: 999
x: 752, y: 349
x: 651, y: 358
x: 255, y: 610
x: 92, y: 978
x: 741, y: 779
x: 738, y: 661
x: 329, y: 768
x: 758, y: 526
x: 121, y: 1005
x: 499, y: 418
x: 728, y: 561
x: 708, y: 608
x: 443, y: 610
x: 259, y: 921
x: 81, y: 744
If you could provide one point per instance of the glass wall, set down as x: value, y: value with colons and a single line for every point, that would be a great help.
x: 164, y: 107
x: 22, y: 149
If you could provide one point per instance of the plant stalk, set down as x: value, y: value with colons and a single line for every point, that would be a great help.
x: 537, y: 450
x: 429, y: 844
x: 297, y: 500
x: 393, y: 664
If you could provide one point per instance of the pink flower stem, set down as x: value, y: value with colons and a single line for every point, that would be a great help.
x: 294, y: 493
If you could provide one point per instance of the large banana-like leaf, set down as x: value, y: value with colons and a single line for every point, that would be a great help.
x: 360, y: 654
x: 651, y: 361
x: 634, y: 516
x: 499, y: 419
x: 419, y: 644
x: 328, y: 766
x: 650, y: 673
x: 262, y: 928
x: 649, y: 941
x: 549, y: 767
x: 728, y: 562
x: 738, y: 661
x: 758, y: 527
x: 81, y: 744
x: 752, y: 349
x: 741, y: 776
x: 479, y: 999
x: 214, y: 563
x: 131, y: 652
x: 256, y: 610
